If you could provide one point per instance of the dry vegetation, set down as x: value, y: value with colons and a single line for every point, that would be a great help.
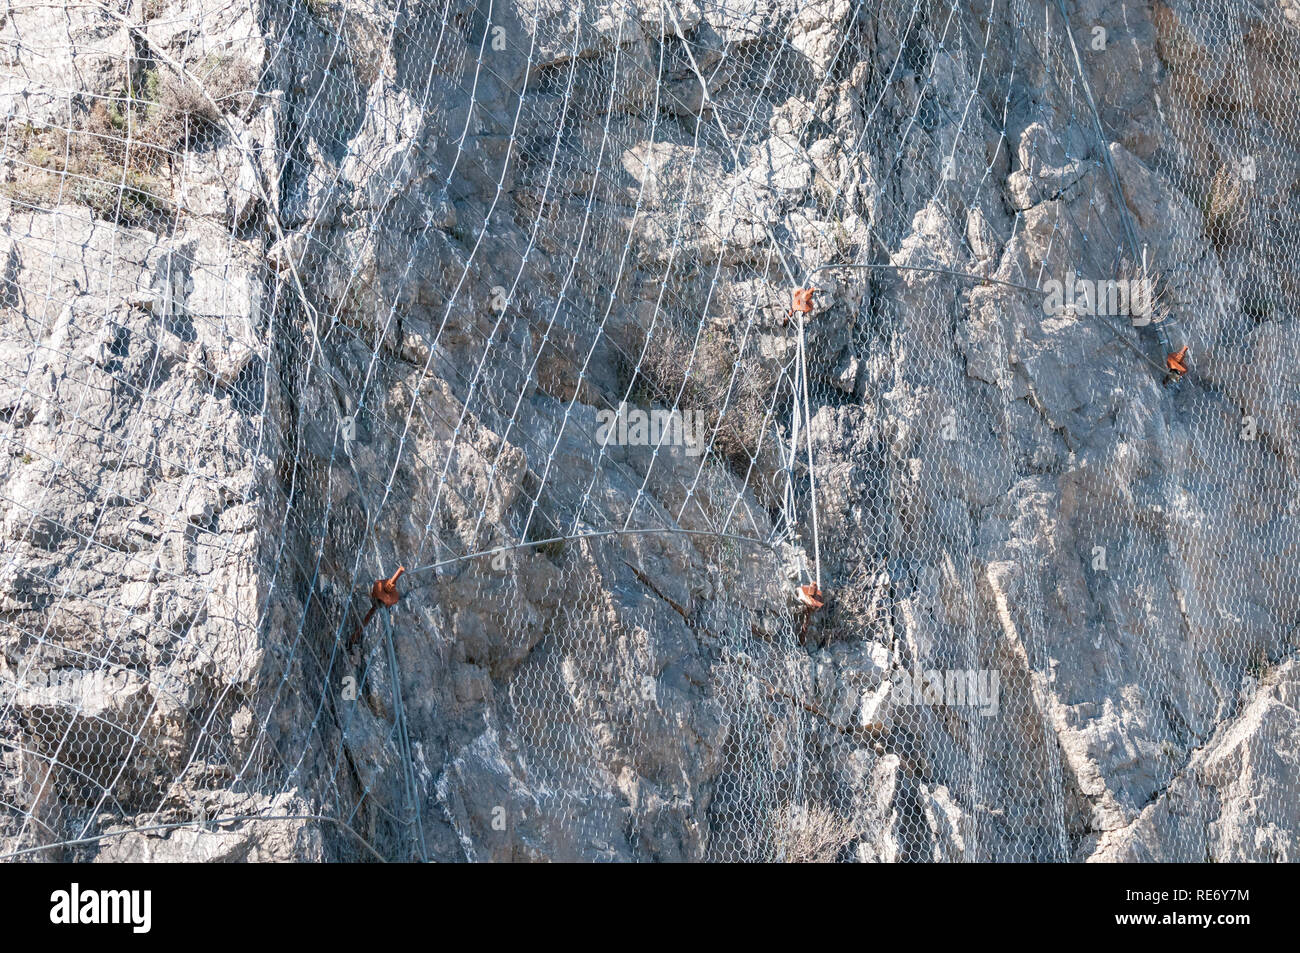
x: 813, y: 835
x: 708, y: 387
x: 116, y: 157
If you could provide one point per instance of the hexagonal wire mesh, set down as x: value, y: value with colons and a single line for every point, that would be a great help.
x: 297, y: 293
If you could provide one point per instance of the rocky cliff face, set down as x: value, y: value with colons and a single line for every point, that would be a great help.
x: 298, y: 292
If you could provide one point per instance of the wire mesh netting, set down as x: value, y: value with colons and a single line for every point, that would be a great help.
x: 648, y: 430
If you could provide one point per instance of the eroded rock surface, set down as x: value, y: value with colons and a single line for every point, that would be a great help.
x: 363, y: 276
